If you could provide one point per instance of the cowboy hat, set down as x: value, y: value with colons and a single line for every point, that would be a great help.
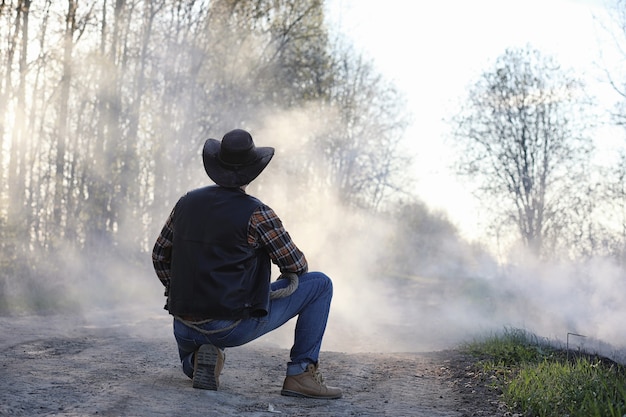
x: 234, y: 161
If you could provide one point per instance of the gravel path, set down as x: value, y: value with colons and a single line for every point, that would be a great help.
x: 69, y: 366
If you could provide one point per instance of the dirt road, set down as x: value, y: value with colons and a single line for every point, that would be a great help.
x: 101, y: 365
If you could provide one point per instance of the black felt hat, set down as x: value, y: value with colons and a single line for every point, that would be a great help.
x: 235, y: 161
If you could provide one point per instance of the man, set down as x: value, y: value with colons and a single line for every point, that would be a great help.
x: 214, y: 258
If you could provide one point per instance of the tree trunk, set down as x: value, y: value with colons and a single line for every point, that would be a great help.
x: 62, y: 118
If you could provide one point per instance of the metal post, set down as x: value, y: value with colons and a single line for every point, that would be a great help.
x: 568, y: 335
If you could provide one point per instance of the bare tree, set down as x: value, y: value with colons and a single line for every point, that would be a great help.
x: 616, y: 175
x: 17, y: 157
x: 523, y: 140
x: 10, y: 30
x: 362, y: 141
x: 616, y: 80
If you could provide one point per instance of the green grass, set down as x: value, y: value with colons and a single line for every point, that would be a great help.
x: 541, y: 381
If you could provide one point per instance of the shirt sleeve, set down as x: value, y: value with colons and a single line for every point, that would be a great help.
x: 266, y: 230
x: 162, y: 252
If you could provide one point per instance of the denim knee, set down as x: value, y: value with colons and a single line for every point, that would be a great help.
x: 323, y: 281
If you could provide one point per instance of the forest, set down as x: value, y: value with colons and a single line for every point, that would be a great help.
x: 105, y: 105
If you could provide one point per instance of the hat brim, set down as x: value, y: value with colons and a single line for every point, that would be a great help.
x: 230, y: 176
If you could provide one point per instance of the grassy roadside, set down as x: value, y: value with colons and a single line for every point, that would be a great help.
x: 540, y: 381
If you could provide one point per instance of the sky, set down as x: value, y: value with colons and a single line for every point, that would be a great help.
x: 434, y: 50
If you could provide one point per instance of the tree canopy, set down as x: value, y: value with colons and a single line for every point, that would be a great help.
x: 524, y: 136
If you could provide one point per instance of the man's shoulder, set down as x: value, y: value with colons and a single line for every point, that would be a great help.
x: 216, y: 192
x: 211, y: 191
x: 202, y: 190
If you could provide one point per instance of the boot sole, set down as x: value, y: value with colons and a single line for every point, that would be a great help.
x: 288, y: 393
x: 204, y: 376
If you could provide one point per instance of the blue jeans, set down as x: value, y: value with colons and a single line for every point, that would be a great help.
x: 310, y: 302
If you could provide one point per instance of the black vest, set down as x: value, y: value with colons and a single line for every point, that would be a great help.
x: 215, y: 272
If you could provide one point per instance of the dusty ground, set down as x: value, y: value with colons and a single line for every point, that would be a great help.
x: 126, y: 366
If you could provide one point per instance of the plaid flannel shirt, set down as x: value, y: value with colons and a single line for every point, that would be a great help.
x: 265, y: 230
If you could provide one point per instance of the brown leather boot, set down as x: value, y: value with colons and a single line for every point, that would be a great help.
x: 207, y: 367
x: 309, y: 384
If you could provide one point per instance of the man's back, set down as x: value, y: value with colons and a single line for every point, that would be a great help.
x: 215, y: 272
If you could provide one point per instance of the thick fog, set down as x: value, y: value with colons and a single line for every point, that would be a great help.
x: 461, y: 295
x: 402, y: 283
